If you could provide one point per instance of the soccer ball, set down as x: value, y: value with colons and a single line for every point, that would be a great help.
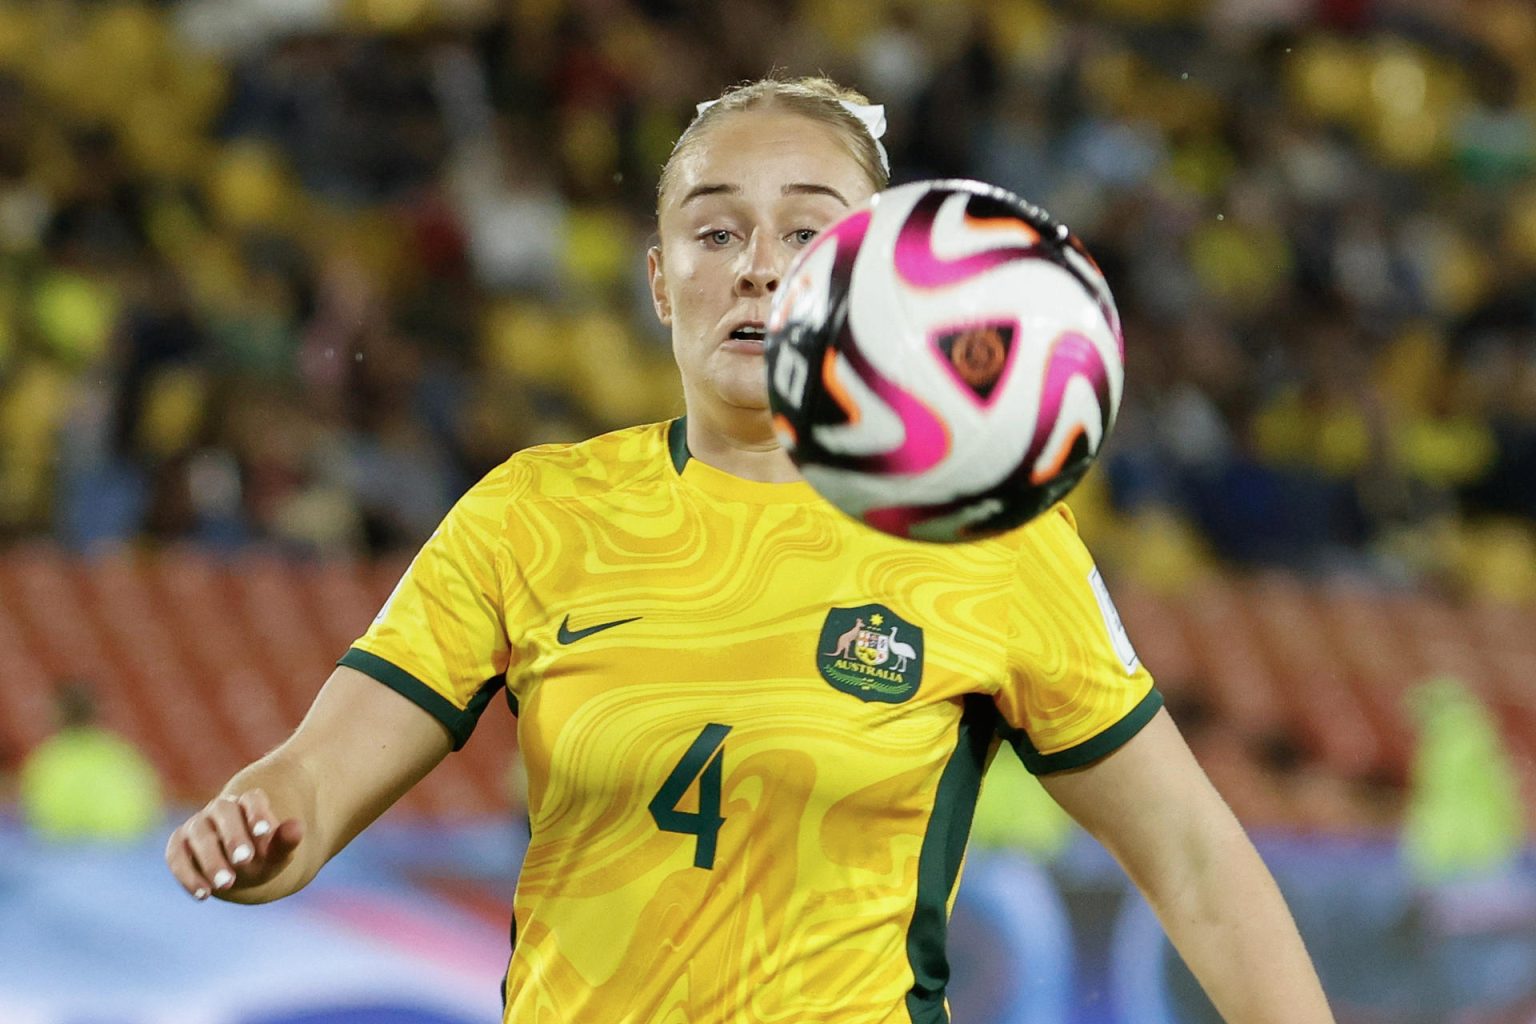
x: 944, y: 363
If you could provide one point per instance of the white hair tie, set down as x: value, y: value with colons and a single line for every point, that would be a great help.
x: 871, y: 116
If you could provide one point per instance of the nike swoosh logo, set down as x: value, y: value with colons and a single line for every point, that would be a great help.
x: 567, y: 635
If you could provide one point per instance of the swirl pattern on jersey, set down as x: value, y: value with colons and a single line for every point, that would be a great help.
x: 795, y: 898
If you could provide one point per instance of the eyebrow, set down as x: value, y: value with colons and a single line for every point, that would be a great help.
x: 795, y: 188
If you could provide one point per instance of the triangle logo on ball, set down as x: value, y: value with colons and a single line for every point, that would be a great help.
x: 871, y: 653
x: 978, y: 355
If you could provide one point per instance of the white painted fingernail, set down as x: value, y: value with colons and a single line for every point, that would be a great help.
x: 242, y: 853
x: 224, y: 879
x: 200, y: 894
x: 260, y: 829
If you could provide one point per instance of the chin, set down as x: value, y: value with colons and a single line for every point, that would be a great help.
x: 757, y: 402
x: 745, y: 391
x: 746, y: 399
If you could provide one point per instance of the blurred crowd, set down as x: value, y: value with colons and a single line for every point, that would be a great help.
x: 298, y: 271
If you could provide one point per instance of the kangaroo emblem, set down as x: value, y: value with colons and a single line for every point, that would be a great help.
x: 846, y: 640
x: 858, y: 653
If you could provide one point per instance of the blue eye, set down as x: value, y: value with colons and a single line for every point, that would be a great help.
x: 719, y: 236
x: 805, y: 235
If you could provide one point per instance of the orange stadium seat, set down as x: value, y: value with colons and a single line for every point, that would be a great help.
x: 1234, y: 672
x: 1313, y: 680
x: 1368, y: 642
x: 204, y: 663
x: 1330, y: 667
x: 26, y: 713
x: 208, y: 662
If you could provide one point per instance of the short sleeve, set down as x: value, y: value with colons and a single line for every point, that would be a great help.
x: 1075, y: 689
x: 441, y: 637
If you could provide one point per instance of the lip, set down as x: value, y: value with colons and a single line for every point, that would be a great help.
x: 742, y: 345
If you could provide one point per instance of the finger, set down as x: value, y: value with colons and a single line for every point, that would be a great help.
x: 285, y: 839
x: 207, y: 851
x: 179, y: 859
x: 259, y: 818
x: 228, y: 817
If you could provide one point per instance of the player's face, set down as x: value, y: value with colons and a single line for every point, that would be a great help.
x: 746, y: 198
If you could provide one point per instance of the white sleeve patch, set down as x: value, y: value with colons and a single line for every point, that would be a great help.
x: 1118, y: 637
x: 392, y: 594
x: 403, y: 577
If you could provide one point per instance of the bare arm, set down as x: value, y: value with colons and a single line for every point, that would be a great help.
x: 277, y: 822
x: 1152, y: 806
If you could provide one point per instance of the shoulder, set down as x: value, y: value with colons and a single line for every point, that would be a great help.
x: 585, y: 469
x: 1052, y: 533
x: 1050, y: 556
x: 548, y: 482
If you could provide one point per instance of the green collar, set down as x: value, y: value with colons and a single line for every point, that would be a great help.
x: 677, y: 443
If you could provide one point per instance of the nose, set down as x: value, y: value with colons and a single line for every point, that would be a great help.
x: 761, y: 268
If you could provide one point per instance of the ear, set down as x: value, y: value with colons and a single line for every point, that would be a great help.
x: 658, y: 279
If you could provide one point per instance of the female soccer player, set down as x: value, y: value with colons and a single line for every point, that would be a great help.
x: 744, y: 806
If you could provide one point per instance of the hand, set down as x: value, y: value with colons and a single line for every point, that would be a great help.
x: 234, y: 843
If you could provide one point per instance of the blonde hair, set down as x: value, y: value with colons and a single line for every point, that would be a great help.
x: 815, y: 97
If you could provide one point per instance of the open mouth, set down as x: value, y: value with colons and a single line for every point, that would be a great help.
x: 749, y: 332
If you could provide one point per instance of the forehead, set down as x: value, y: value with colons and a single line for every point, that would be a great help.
x: 760, y: 151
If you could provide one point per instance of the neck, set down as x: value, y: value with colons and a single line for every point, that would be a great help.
x: 739, y: 442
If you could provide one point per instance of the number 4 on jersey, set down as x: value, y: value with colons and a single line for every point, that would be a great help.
x: 703, y: 761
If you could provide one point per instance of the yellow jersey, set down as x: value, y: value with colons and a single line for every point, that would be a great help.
x: 754, y: 729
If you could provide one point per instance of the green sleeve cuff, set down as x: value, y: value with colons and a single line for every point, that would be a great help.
x: 1090, y: 750
x: 459, y: 723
